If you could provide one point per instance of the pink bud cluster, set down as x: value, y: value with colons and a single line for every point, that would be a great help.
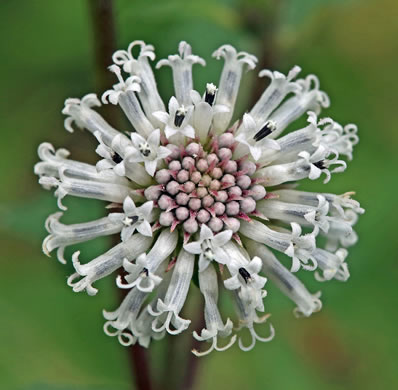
x: 205, y: 187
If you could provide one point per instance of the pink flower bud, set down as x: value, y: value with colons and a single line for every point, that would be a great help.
x: 172, y: 187
x: 221, y: 196
x: 188, y: 162
x: 215, y: 224
x: 201, y: 192
x: 248, y: 205
x: 182, y: 213
x: 216, y: 173
x: 215, y: 185
x: 196, y: 177
x: 192, y: 149
x: 207, y: 201
x: 232, y: 224
x: 175, y: 151
x: 194, y: 204
x: 189, y: 186
x: 162, y: 176
x: 190, y: 226
x: 212, y: 159
x: 175, y: 165
x: 165, y: 202
x: 166, y: 218
x: 243, y: 182
x: 206, y: 180
x: 219, y: 208
x: 234, y: 191
x: 203, y: 216
x: 183, y: 176
x: 231, y: 166
x: 227, y: 181
x: 153, y: 192
x: 248, y: 167
x: 224, y: 154
x: 202, y: 165
x: 226, y: 140
x: 257, y: 192
x: 182, y: 198
x: 232, y: 208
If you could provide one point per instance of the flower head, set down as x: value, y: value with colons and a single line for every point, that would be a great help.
x: 196, y: 197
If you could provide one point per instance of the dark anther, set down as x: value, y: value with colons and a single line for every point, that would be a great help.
x: 117, y: 158
x: 265, y: 130
x: 211, y: 90
x: 134, y: 219
x: 146, y: 152
x: 245, y: 275
x: 178, y: 119
x: 145, y: 271
x: 320, y: 164
x: 209, y: 98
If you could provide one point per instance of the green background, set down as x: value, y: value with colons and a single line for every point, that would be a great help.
x: 51, y: 338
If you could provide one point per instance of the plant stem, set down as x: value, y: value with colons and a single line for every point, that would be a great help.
x: 192, y: 366
x: 104, y: 40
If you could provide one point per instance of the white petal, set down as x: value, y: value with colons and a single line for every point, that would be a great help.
x: 161, y: 116
x: 127, y: 232
x: 203, y: 263
x: 145, y: 209
x: 129, y: 206
x: 188, y: 131
x: 193, y: 247
x: 145, y: 229
x: 137, y: 139
x: 170, y: 131
x: 150, y: 167
x: 222, y: 238
x: 205, y: 233
x: 154, y: 138
x: 232, y: 283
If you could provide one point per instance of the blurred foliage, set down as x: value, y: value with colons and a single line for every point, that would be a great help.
x: 52, y: 339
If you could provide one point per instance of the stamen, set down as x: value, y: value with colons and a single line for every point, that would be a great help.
x: 128, y: 221
x: 267, y: 129
x: 320, y: 164
x: 211, y: 90
x: 145, y: 149
x: 245, y: 275
x: 145, y: 272
x: 180, y: 115
x: 208, y: 253
x: 117, y: 159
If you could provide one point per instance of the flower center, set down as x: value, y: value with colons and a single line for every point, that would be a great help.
x: 207, y: 187
x: 179, y: 116
x: 267, y: 129
x: 211, y: 90
x: 128, y: 221
x: 245, y: 275
x: 144, y: 149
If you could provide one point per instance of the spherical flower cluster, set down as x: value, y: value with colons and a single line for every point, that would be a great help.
x: 189, y: 192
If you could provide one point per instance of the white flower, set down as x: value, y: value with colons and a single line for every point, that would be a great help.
x: 209, y: 247
x: 148, y: 151
x: 199, y: 198
x: 177, y: 120
x: 131, y: 84
x: 318, y: 163
x: 245, y: 275
x: 134, y: 218
x: 256, y: 138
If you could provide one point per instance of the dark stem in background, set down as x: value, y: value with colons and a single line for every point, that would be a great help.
x: 262, y: 20
x: 192, y: 367
x: 104, y: 38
